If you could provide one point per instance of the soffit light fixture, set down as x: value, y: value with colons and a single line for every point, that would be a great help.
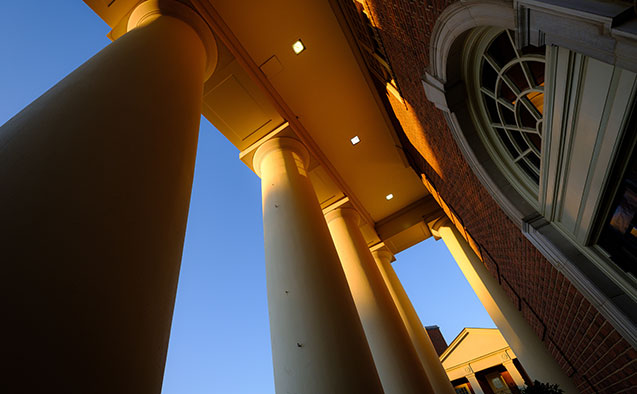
x: 389, y: 196
x: 355, y: 140
x: 298, y: 46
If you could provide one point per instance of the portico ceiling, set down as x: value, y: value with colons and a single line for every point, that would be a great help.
x: 323, y: 93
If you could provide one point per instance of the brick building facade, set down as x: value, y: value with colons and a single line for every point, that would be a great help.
x: 586, y: 345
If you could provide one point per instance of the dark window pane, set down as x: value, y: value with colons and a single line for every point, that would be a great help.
x: 507, y: 143
x: 619, y: 234
x: 516, y: 75
x: 501, y: 50
x: 535, y: 160
x: 529, y: 171
x: 519, y: 140
x: 536, y: 140
x: 526, y: 119
x: 489, y: 76
x: 508, y: 117
x: 491, y: 109
x: 537, y: 71
x: 506, y: 92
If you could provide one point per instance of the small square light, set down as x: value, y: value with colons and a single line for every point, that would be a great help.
x: 298, y: 47
x: 355, y: 140
x: 389, y: 196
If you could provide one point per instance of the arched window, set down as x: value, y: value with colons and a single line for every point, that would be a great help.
x: 506, y: 90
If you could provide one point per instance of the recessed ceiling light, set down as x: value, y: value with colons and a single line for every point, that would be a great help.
x: 389, y: 196
x: 355, y: 140
x: 298, y: 47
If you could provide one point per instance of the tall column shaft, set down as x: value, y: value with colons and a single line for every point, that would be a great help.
x: 318, y: 343
x: 96, y: 177
x: 419, y: 337
x: 396, y: 359
x: 475, y: 385
x: 532, y: 353
x: 515, y: 374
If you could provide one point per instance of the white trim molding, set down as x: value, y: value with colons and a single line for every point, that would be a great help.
x: 435, y: 92
x: 601, y: 29
x: 612, y: 302
x: 459, y: 18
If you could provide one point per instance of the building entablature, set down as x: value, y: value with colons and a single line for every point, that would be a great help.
x: 321, y: 96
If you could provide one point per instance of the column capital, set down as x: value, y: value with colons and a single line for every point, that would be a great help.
x: 468, y: 370
x: 280, y: 144
x: 383, y: 255
x: 349, y: 213
x: 150, y: 10
x: 435, y: 225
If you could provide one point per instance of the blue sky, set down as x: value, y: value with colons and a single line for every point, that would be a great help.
x: 220, y: 340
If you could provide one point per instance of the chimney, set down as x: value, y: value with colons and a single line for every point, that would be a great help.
x: 437, y: 339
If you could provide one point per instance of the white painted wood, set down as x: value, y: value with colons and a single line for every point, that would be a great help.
x: 589, y: 103
x: 597, y: 28
x: 582, y: 132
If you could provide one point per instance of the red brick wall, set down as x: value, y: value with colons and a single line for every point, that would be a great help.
x: 586, y: 346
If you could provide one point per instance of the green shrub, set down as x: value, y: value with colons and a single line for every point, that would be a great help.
x: 542, y: 388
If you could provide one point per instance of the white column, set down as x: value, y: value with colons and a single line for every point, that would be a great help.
x: 95, y: 181
x: 475, y: 385
x: 419, y: 337
x: 396, y: 359
x: 318, y: 343
x: 532, y: 353
x: 515, y: 374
